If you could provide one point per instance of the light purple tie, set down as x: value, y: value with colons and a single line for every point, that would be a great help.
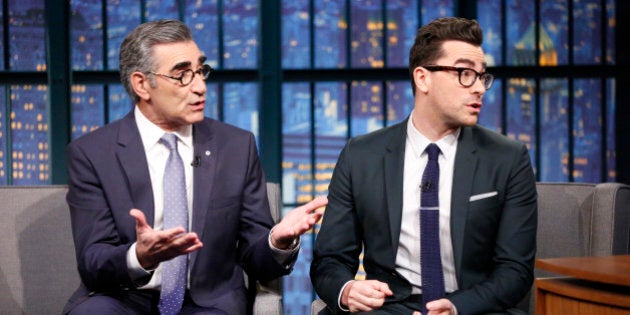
x: 430, y: 261
x: 175, y: 215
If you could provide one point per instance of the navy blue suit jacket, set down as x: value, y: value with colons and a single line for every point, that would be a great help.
x: 109, y: 175
x: 494, y: 239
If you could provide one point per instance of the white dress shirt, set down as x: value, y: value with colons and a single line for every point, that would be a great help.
x: 157, y: 155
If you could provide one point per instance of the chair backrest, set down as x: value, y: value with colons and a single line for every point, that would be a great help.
x: 38, y: 261
x: 577, y: 219
x: 581, y: 219
x: 38, y: 270
x: 275, y: 200
x: 268, y: 299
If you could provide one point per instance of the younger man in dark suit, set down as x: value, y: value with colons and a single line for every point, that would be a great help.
x: 481, y: 191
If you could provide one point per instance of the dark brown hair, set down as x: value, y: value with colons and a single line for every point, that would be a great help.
x: 427, y: 47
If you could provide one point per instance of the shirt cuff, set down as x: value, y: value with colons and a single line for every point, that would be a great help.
x: 285, y: 257
x: 137, y: 274
x: 339, y: 298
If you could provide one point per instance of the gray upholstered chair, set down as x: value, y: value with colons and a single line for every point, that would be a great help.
x: 38, y: 270
x: 37, y: 260
x: 574, y: 219
x: 268, y: 299
x: 581, y: 219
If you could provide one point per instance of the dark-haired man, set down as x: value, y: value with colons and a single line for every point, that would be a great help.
x: 444, y: 210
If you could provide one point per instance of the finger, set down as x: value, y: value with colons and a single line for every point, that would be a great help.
x: 441, y: 306
x: 186, y: 241
x: 360, y: 307
x: 196, y: 246
x: 359, y: 301
x: 180, y: 245
x: 315, y: 204
x: 380, y: 287
x: 369, y: 302
x: 318, y: 202
x: 383, y: 287
x: 174, y: 233
x: 309, y: 222
x: 316, y: 216
x: 188, y: 247
x: 434, y: 305
x: 303, y: 228
x: 141, y: 221
x: 312, y: 218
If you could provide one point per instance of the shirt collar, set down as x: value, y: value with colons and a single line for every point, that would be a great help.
x: 447, y: 144
x: 150, y: 133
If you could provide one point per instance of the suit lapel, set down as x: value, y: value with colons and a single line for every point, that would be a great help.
x: 466, y: 160
x: 393, y: 170
x: 132, y: 159
x: 205, y: 147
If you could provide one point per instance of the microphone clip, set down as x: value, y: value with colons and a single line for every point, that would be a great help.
x: 196, y: 161
x: 426, y: 186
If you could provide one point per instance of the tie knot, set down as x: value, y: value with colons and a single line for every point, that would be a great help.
x: 169, y: 140
x: 432, y: 150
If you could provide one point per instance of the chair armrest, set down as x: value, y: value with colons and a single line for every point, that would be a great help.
x: 268, y: 302
x: 318, y: 307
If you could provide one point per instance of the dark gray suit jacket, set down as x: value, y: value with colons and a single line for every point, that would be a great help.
x: 109, y: 175
x: 494, y: 239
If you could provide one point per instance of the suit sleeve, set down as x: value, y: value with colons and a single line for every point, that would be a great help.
x: 338, y: 244
x: 100, y: 255
x: 255, y: 252
x: 514, y: 248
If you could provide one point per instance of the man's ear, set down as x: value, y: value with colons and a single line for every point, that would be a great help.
x: 420, y: 79
x: 140, y: 84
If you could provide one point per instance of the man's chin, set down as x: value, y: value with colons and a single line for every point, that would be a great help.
x: 196, y: 117
x: 470, y: 122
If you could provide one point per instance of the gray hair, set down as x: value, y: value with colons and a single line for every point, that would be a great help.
x: 136, y: 50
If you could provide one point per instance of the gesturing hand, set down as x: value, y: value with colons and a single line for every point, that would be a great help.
x: 297, y: 222
x: 154, y: 247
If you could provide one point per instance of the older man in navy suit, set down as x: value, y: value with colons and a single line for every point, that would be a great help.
x: 486, y: 217
x: 116, y: 193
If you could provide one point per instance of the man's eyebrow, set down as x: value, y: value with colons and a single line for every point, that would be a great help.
x: 469, y: 62
x: 181, y: 65
x: 187, y: 64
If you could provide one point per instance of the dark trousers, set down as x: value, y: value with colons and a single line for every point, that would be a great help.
x: 414, y: 303
x: 405, y: 307
x: 140, y: 302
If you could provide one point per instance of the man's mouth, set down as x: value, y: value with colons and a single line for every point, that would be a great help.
x: 475, y: 105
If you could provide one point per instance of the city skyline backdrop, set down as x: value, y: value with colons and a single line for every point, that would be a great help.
x: 318, y: 117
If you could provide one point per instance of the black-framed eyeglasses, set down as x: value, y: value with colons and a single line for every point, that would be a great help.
x: 467, y: 76
x: 187, y: 76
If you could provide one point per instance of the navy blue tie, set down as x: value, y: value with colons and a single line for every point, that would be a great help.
x: 430, y: 261
x: 175, y: 215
